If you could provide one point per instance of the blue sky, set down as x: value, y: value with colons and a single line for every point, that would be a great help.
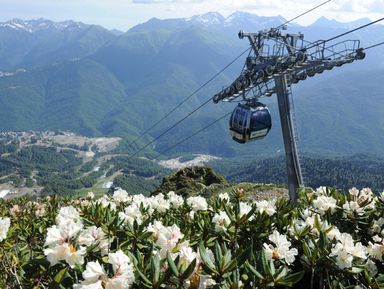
x: 123, y: 14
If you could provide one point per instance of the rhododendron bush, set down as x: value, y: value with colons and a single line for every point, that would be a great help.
x: 329, y: 239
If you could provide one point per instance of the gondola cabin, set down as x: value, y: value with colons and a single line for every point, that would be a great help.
x: 250, y: 122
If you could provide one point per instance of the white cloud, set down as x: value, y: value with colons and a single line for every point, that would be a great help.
x: 123, y: 14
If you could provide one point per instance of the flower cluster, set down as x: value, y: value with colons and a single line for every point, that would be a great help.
x: 123, y: 241
x: 4, y: 227
x: 280, y: 250
x: 345, y: 250
x: 61, y: 238
x: 67, y: 241
x: 166, y: 238
x: 96, y: 277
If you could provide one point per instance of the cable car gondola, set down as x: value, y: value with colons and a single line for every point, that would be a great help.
x: 250, y: 122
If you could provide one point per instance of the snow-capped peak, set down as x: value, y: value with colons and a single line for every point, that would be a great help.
x: 236, y: 15
x: 39, y: 24
x: 207, y: 18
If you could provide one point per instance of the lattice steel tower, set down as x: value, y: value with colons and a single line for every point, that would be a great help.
x: 276, y: 61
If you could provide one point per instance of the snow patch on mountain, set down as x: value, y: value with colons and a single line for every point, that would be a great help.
x: 210, y: 18
x: 32, y: 26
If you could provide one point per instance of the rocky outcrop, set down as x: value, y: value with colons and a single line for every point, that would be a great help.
x: 192, y: 181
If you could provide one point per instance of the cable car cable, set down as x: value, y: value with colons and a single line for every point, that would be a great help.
x: 348, y: 32
x: 188, y: 97
x: 302, y: 14
x: 374, y: 45
x: 195, y: 133
x: 171, y: 127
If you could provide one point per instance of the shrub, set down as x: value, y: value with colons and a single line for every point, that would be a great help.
x: 329, y: 239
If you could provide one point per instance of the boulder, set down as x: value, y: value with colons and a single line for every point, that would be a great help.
x: 191, y: 181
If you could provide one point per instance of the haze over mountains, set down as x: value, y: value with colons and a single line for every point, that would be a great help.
x: 93, y: 81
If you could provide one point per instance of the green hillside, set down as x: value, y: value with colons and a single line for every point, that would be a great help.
x: 129, y: 82
x: 80, y: 96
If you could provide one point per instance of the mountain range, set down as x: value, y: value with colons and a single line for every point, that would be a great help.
x: 87, y: 79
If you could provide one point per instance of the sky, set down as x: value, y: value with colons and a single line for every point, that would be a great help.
x: 123, y: 14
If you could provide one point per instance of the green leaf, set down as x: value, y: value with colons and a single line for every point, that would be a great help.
x: 356, y: 270
x: 291, y: 279
x: 172, y: 265
x: 230, y: 266
x: 60, y: 275
x: 188, y: 272
x: 263, y: 262
x: 146, y: 280
x: 218, y: 253
x: 281, y: 272
x: 155, y: 268
x: 322, y: 242
x: 229, y: 214
x: 242, y: 256
x: 272, y: 268
x: 253, y: 270
x: 204, y: 256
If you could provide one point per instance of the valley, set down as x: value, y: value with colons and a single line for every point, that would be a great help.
x: 43, y: 163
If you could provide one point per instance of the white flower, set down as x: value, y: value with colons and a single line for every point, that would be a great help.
x: 155, y: 228
x: 224, y: 197
x: 159, y: 203
x: 131, y: 213
x: 166, y: 238
x: 297, y: 227
x: 382, y: 196
x: 63, y: 232
x: 200, y: 282
x: 321, y: 190
x: 343, y: 259
x: 345, y: 250
x: 221, y: 221
x: 68, y: 213
x: 191, y: 215
x: 93, y: 272
x: 105, y: 202
x: 186, y: 253
x: 40, y: 210
x: 352, y: 207
x: 123, y: 270
x: 90, y: 195
x: 377, y: 225
x: 245, y: 209
x: 140, y: 199
x: 65, y: 252
x: 120, y: 196
x: 61, y: 238
x: 333, y: 234
x: 94, y: 236
x: 354, y: 191
x: 197, y: 203
x: 175, y: 200
x: 281, y: 250
x: 57, y: 253
x: 266, y: 206
x: 5, y: 223
x: 324, y: 204
x: 95, y: 276
x: 376, y: 250
x: 15, y: 210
